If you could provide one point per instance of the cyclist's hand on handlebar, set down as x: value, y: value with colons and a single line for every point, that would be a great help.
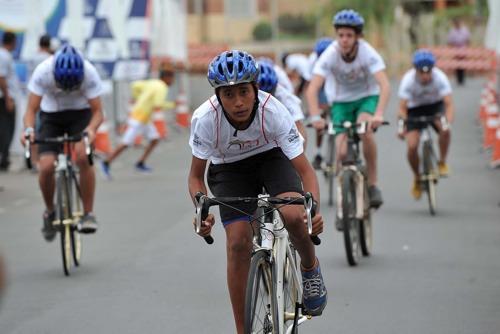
x: 318, y: 123
x: 317, y: 223
x: 91, y: 134
x: 401, y: 135
x: 206, y: 225
x: 28, y: 133
x: 376, y: 121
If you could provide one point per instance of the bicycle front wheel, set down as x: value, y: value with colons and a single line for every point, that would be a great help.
x: 260, y: 308
x: 63, y: 214
x: 351, y: 223
x: 431, y: 178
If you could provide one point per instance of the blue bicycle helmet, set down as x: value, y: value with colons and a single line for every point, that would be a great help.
x: 267, y: 77
x: 423, y: 60
x: 68, y: 68
x: 349, y: 18
x: 322, y: 44
x: 232, y: 68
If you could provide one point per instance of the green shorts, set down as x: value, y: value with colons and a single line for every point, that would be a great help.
x: 350, y: 111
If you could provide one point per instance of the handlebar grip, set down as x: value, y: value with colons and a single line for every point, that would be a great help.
x: 209, y: 240
x: 316, y: 240
x: 90, y: 157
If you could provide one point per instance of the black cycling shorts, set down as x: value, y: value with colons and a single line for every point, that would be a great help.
x: 54, y: 124
x: 424, y: 110
x: 245, y: 178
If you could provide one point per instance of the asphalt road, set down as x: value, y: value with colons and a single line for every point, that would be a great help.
x: 145, y: 271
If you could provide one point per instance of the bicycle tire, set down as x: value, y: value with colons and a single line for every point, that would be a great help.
x: 290, y: 290
x: 330, y: 166
x: 351, y: 227
x: 430, y: 185
x: 259, y: 296
x: 62, y: 215
x: 366, y: 231
x: 76, y: 207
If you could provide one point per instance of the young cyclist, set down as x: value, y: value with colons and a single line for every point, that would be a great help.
x: 149, y: 96
x: 298, y: 69
x: 66, y: 88
x: 357, y: 86
x: 268, y: 82
x: 425, y: 91
x: 252, y: 142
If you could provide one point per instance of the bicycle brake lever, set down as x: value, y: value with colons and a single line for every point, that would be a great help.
x: 201, y: 215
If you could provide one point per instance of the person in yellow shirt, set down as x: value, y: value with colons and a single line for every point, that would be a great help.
x: 150, y: 96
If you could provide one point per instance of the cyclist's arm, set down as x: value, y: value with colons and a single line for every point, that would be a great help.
x: 4, y: 88
x: 403, y: 109
x: 312, y: 94
x: 97, y: 116
x: 196, y: 179
x: 307, y: 175
x: 449, y: 109
x: 31, y: 110
x: 385, y: 91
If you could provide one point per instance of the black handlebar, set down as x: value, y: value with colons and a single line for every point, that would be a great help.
x: 207, y: 202
x: 58, y: 140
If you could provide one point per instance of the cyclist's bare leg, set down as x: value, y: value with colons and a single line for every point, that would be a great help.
x: 340, y: 148
x: 369, y: 150
x: 87, y: 178
x: 444, y: 141
x: 116, y: 153
x: 297, y: 229
x: 46, y: 179
x: 152, y: 144
x: 239, y: 251
x: 412, y: 140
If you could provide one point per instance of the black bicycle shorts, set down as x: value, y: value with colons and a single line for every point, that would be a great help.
x: 55, y: 124
x: 245, y: 178
x: 426, y: 111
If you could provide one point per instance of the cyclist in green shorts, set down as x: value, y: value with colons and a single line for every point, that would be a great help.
x: 357, y: 86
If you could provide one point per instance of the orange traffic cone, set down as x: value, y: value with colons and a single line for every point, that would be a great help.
x: 160, y: 123
x: 490, y: 129
x: 182, y: 110
x: 495, y: 154
x: 102, y: 143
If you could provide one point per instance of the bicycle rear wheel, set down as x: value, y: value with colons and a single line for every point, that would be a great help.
x: 63, y: 214
x: 330, y: 168
x: 366, y: 231
x: 431, y: 178
x: 351, y: 224
x: 77, y: 213
x: 260, y: 307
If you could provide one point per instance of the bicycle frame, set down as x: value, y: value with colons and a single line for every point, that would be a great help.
x: 271, y: 238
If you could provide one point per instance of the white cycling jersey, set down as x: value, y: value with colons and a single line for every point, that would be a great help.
x: 290, y: 101
x: 213, y: 137
x: 54, y: 99
x: 347, y: 82
x: 299, y: 63
x: 283, y: 78
x: 417, y: 94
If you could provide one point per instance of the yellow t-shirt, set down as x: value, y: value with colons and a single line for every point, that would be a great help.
x: 149, y: 95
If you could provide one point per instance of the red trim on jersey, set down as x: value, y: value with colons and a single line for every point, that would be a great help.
x: 216, y: 124
x: 262, y: 127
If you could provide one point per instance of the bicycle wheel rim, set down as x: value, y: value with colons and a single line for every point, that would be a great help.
x: 290, y: 290
x: 260, y: 312
x: 351, y: 224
